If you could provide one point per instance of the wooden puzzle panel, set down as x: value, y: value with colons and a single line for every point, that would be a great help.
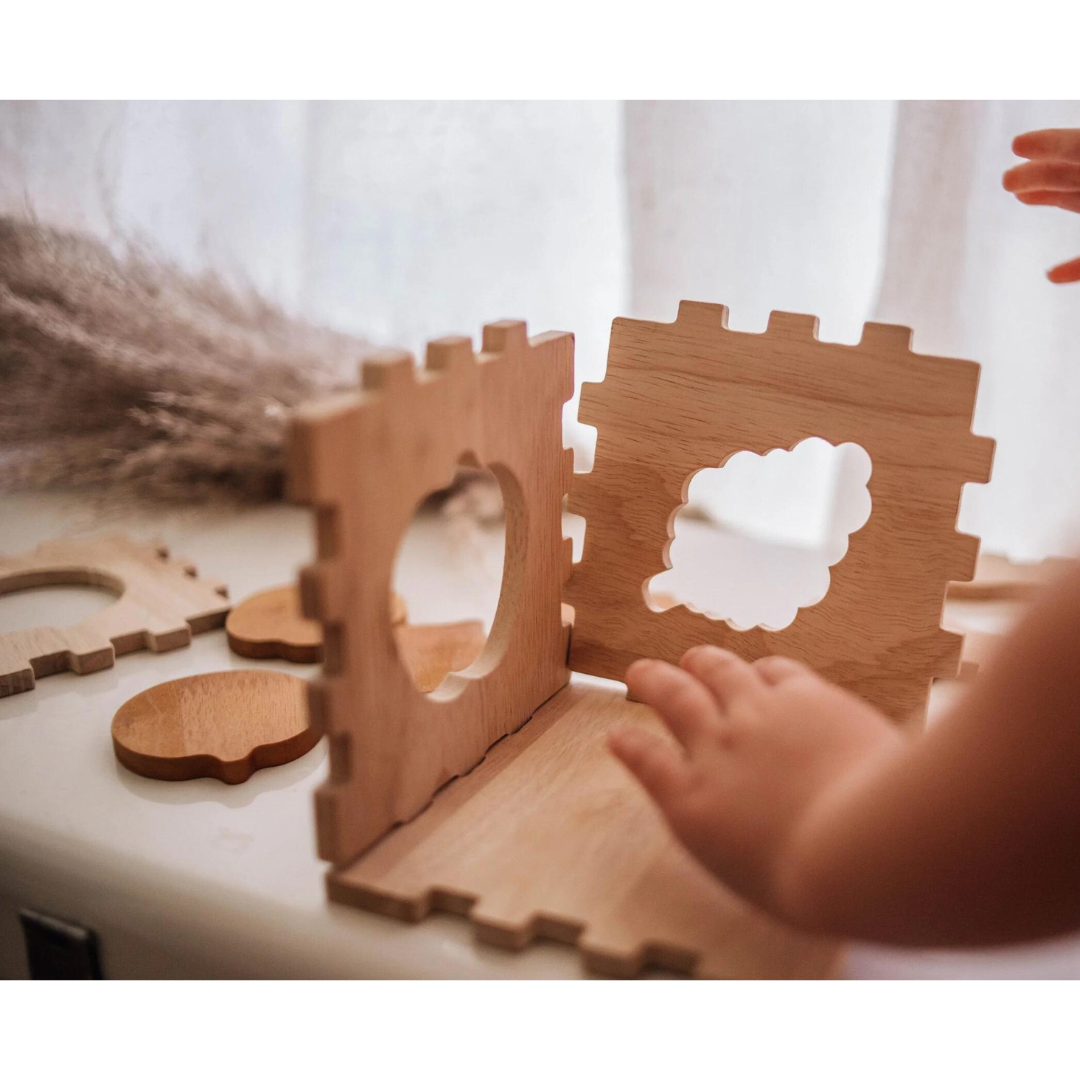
x: 160, y: 604
x: 682, y: 396
x: 549, y: 837
x: 365, y: 461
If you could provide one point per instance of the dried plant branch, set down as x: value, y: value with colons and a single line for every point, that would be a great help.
x: 126, y: 377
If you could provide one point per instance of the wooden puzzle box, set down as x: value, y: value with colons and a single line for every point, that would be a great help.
x: 493, y: 796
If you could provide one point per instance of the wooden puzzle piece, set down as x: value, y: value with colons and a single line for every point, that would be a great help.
x: 365, y: 461
x: 999, y: 578
x: 270, y: 625
x: 549, y: 837
x: 432, y: 650
x: 682, y: 396
x: 224, y: 725
x: 160, y: 604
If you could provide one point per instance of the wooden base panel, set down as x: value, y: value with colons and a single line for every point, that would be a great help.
x: 549, y: 837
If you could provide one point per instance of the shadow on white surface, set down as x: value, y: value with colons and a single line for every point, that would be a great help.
x: 1058, y: 958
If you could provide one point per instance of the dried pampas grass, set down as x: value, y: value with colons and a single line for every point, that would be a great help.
x: 126, y: 377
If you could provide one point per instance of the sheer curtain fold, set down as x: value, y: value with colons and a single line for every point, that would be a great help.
x: 394, y: 220
x: 762, y: 206
x: 964, y: 266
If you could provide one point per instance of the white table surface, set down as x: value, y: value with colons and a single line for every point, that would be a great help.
x: 203, y: 879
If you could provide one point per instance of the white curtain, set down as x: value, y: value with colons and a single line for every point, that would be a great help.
x: 763, y: 206
x: 398, y: 221
x: 402, y: 221
x: 965, y: 267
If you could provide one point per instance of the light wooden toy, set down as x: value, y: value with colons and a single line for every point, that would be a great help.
x: 548, y: 836
x: 678, y: 397
x: 160, y: 604
x: 225, y: 725
x: 410, y: 430
x: 270, y: 625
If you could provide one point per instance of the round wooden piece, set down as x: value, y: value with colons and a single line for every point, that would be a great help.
x: 269, y: 625
x: 225, y: 724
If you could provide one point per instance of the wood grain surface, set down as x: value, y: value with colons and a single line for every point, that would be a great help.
x: 365, y: 461
x: 549, y: 837
x: 678, y: 397
x: 225, y: 725
x: 160, y: 604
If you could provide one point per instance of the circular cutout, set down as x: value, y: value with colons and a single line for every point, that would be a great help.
x: 53, y: 603
x: 225, y: 725
x: 450, y: 569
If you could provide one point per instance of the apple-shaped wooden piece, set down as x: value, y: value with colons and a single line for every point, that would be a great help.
x: 224, y: 724
x: 269, y: 625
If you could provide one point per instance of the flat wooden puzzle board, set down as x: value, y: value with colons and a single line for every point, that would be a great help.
x: 550, y: 837
x: 682, y: 396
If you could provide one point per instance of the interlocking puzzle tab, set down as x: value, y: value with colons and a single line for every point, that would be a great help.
x: 681, y: 396
x: 366, y: 461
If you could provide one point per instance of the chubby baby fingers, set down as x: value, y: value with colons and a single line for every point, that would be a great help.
x: 777, y: 669
x: 726, y: 675
x: 684, y: 704
x: 656, y: 763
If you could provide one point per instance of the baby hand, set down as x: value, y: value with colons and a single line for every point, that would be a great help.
x: 758, y: 746
x: 1050, y: 178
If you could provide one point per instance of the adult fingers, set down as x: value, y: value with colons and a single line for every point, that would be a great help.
x: 656, y: 763
x: 1065, y: 273
x: 685, y: 706
x: 775, y: 669
x: 1060, y: 143
x: 1042, y: 176
x: 1067, y: 200
x: 725, y: 674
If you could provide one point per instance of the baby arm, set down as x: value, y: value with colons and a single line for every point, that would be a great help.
x: 806, y: 800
